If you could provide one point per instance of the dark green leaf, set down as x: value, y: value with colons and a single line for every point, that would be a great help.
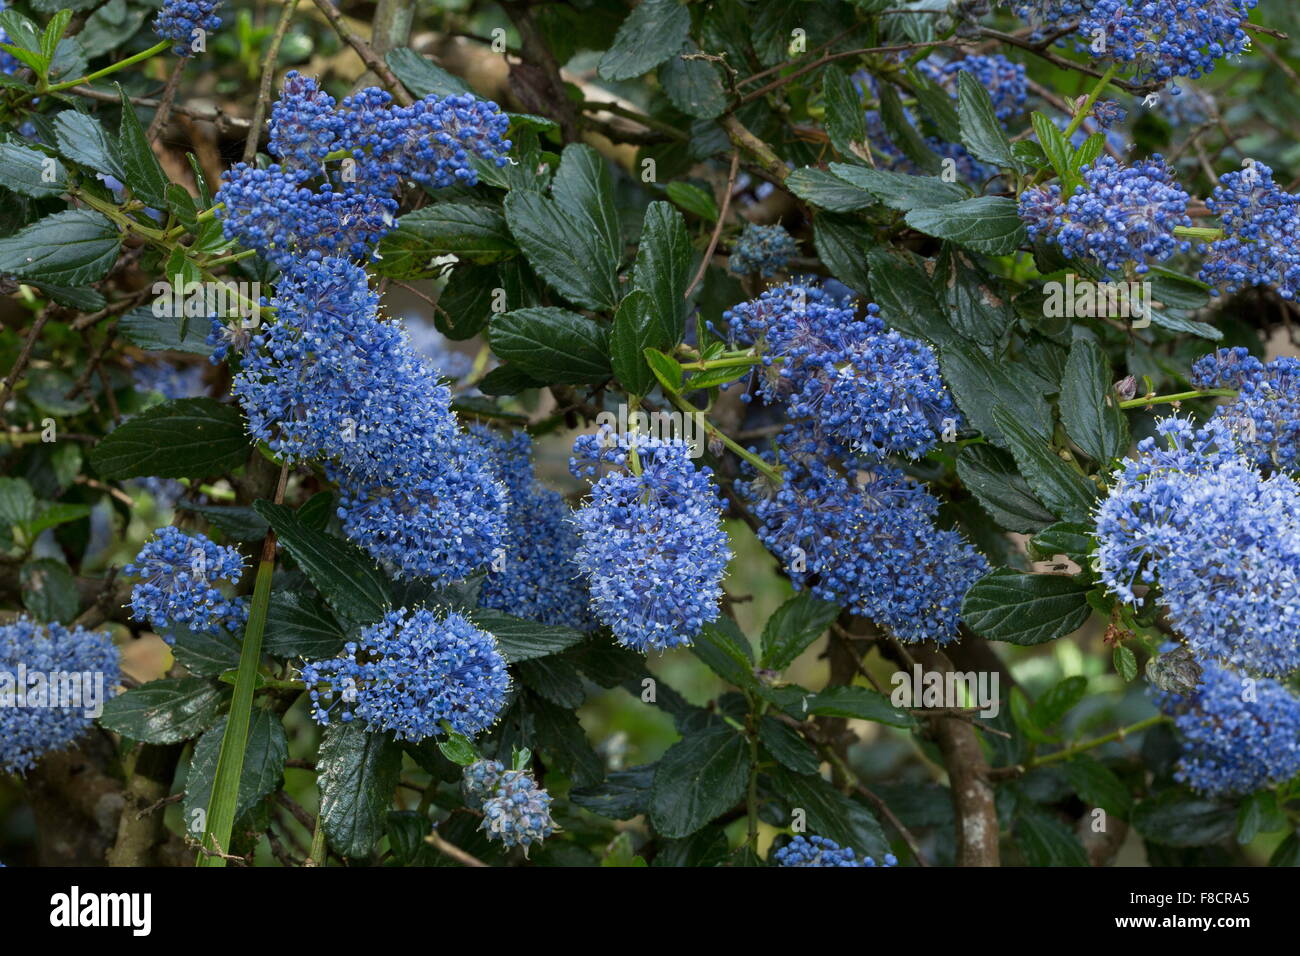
x: 859, y: 703
x: 70, y: 248
x: 1054, y: 144
x: 694, y: 86
x: 830, y: 813
x: 143, y: 174
x: 652, y: 32
x: 49, y: 590
x: 981, y: 131
x: 30, y: 172
x: 83, y: 140
x: 699, y: 778
x: 1066, y: 492
x: 358, y: 773
x: 235, y: 521
x: 552, y: 345
x: 563, y: 250
x: 725, y: 649
x: 164, y: 333
x: 899, y: 190
x: 635, y: 329
x: 1046, y: 841
x: 987, y: 224
x: 166, y: 711
x: 346, y: 577
x: 846, y: 120
x: 1058, y: 700
x: 663, y: 271
x: 1089, y: 409
x: 827, y: 191
x: 205, y: 654
x: 1021, y: 608
x: 298, y: 624
x: 990, y: 474
x: 1179, y: 818
x: 793, y: 626
x: 185, y: 438
x: 266, y: 751
x: 623, y: 794
x: 424, y: 77
x: 693, y: 199
x: 1098, y: 786
x: 842, y: 245
x: 901, y: 131
x: 787, y: 745
x: 1072, y: 539
x: 473, y: 232
x: 979, y: 384
x: 522, y: 640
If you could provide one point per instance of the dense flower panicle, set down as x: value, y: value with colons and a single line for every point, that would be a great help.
x: 305, y: 127
x: 1119, y: 214
x: 1165, y: 39
x: 868, y: 389
x: 180, y: 573
x: 284, y: 218
x: 1265, y: 416
x: 518, y: 813
x: 179, y: 19
x: 444, y: 519
x: 343, y: 208
x: 537, y: 577
x: 43, y: 722
x: 479, y: 780
x: 651, y: 545
x: 819, y: 851
x: 1221, y: 541
x: 330, y: 379
x: 1239, y: 734
x: 1261, y: 226
x: 1004, y: 80
x: 762, y: 249
x: 411, y: 672
x: 430, y: 142
x: 866, y: 538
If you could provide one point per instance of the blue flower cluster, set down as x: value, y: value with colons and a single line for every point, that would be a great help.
x: 1119, y: 214
x: 516, y: 812
x: 1165, y: 39
x: 1007, y: 88
x: 180, y: 573
x: 1107, y: 113
x: 377, y: 146
x: 1239, y: 734
x: 410, y: 673
x: 1261, y: 233
x: 863, y: 534
x: 331, y: 379
x: 34, y: 718
x: 651, y: 543
x: 179, y: 19
x: 819, y: 851
x: 1265, y: 416
x: 1004, y: 80
x: 866, y: 388
x: 539, y: 580
x: 1221, y: 541
x: 762, y: 249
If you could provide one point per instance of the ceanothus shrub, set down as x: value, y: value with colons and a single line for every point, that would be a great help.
x: 735, y: 434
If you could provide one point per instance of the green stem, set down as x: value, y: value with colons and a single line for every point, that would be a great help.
x: 772, y: 473
x: 1082, y: 112
x: 234, y: 742
x: 724, y: 362
x: 1120, y: 734
x: 1208, y: 233
x: 1178, y: 397
x: 111, y: 68
x: 317, y: 855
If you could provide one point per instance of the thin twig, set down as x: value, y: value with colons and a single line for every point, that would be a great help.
x: 164, y: 110
x: 268, y: 78
x: 717, y: 229
x: 25, y: 356
x: 368, y: 56
x: 453, y: 851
